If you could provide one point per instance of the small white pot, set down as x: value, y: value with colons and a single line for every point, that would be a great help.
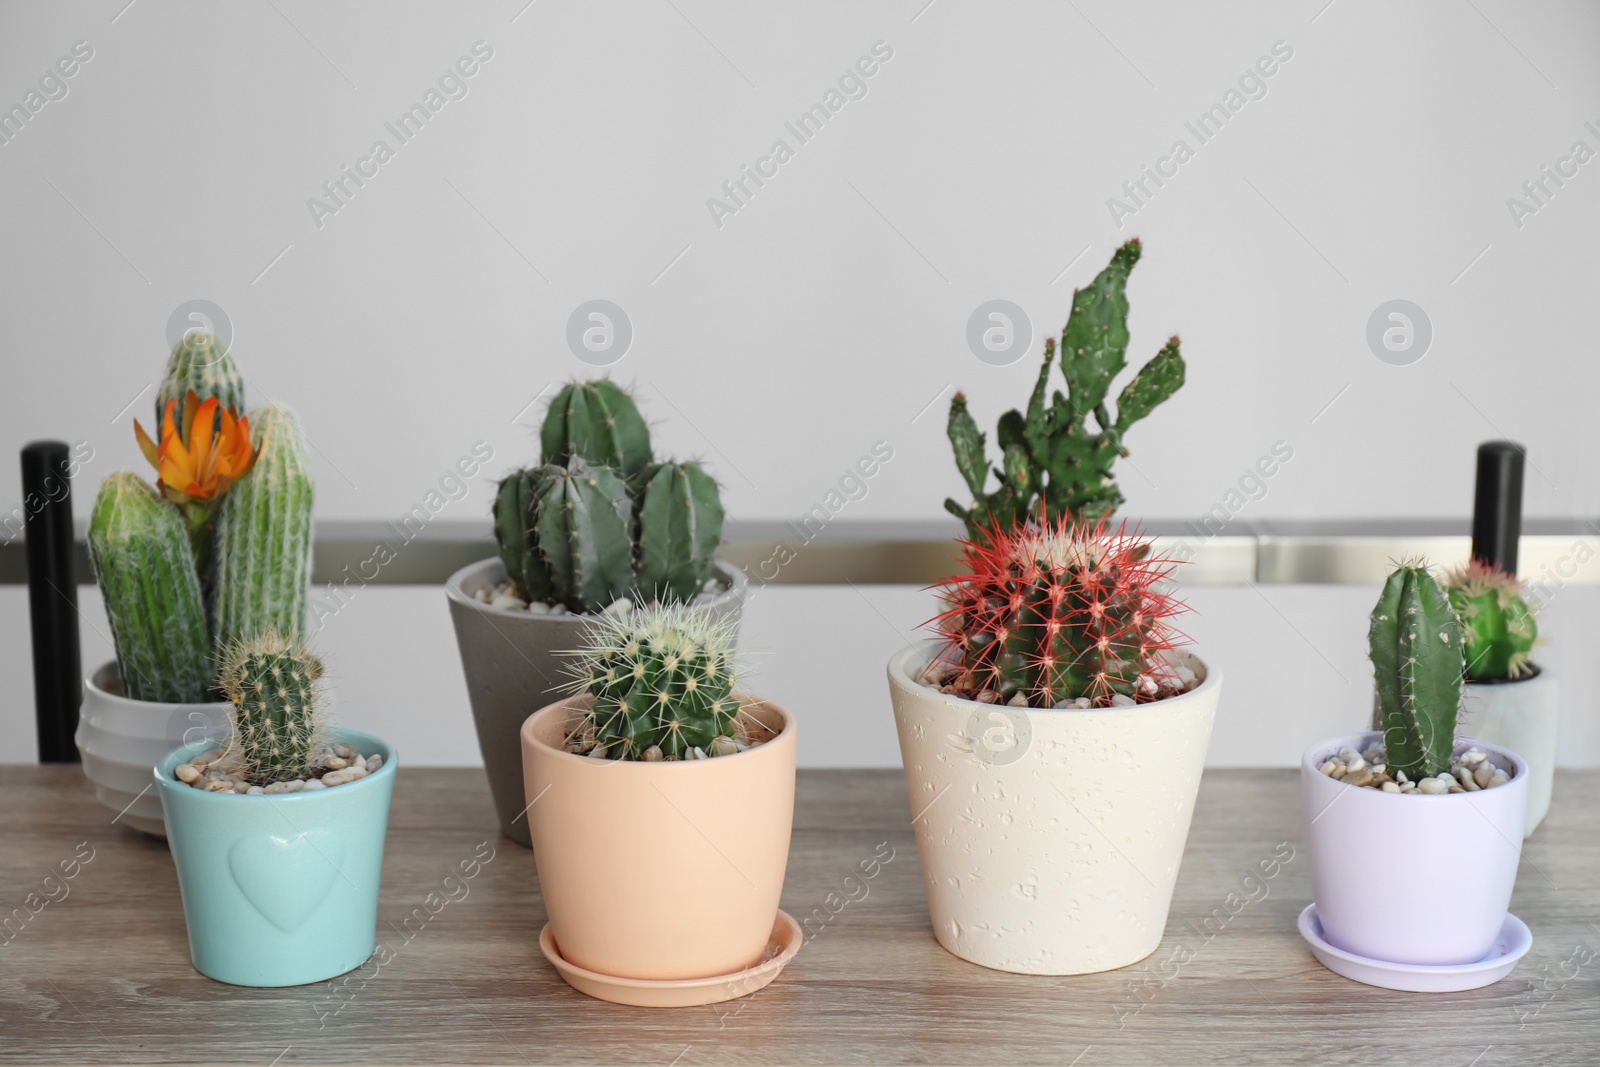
x: 1521, y: 716
x: 1050, y: 840
x: 120, y: 740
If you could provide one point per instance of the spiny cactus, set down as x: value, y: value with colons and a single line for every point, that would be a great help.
x: 1050, y: 454
x: 1416, y: 654
x: 146, y: 571
x: 599, y: 519
x: 199, y: 362
x: 1056, y: 611
x: 662, y: 679
x: 278, y: 720
x: 261, y: 555
x: 1498, y: 627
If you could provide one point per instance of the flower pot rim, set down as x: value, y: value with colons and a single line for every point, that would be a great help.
x: 903, y: 678
x: 734, y: 575
x: 567, y: 704
x: 98, y: 679
x: 1360, y: 739
x: 1536, y: 672
x: 165, y: 766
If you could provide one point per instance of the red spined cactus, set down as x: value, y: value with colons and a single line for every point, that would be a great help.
x: 1056, y: 611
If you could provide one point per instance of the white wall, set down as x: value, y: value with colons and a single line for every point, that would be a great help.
x: 831, y: 310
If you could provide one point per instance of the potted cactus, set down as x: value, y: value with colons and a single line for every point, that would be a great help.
x: 1412, y: 789
x: 660, y: 800
x: 278, y: 833
x: 596, y: 526
x: 1053, y: 741
x: 220, y: 547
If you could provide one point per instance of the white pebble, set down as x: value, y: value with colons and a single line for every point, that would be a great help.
x: 336, y: 763
x: 1122, y: 700
x: 1400, y: 776
x: 373, y: 763
x: 312, y: 783
x: 1356, y: 764
x: 1081, y: 703
x: 1464, y: 776
x: 618, y: 607
x: 1018, y: 701
x: 1348, y: 755
x: 538, y: 608
x: 598, y: 752
x: 255, y: 790
x: 219, y: 786
x: 723, y: 746
x: 342, y: 749
x: 506, y: 600
x: 481, y: 596
x: 1379, y: 767
x: 1500, y: 778
x: 1389, y: 787
x: 1472, y: 757
x: 1329, y: 767
x: 652, y: 754
x: 559, y: 609
x: 349, y: 774
x: 1484, y: 774
x: 1432, y: 786
x: 187, y: 772
x: 696, y: 753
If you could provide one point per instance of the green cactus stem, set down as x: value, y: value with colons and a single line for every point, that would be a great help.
x: 599, y: 422
x: 261, y: 552
x: 1051, y: 454
x: 585, y: 534
x: 662, y: 678
x: 680, y: 527
x: 1416, y: 653
x: 1496, y: 623
x: 278, y: 721
x: 146, y: 571
x: 199, y: 362
x: 516, y: 517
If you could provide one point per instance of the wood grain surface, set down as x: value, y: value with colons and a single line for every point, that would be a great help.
x: 101, y: 974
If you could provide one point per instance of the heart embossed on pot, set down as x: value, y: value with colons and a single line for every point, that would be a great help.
x: 286, y: 876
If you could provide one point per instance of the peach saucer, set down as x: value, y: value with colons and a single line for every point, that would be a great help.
x: 685, y: 992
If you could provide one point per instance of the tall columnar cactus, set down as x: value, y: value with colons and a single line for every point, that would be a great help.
x: 199, y: 362
x: 1498, y: 627
x: 261, y: 556
x: 1051, y: 454
x: 599, y: 519
x: 278, y: 718
x: 598, y: 421
x: 1416, y: 654
x: 1055, y: 611
x: 145, y: 566
x: 662, y: 679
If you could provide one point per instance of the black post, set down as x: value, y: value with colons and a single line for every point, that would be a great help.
x: 52, y: 598
x: 1497, y: 504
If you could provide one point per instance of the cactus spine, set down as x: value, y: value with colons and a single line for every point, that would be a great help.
x: 1056, y: 612
x: 1496, y: 623
x: 662, y: 679
x: 146, y: 571
x: 1416, y: 654
x: 278, y: 720
x: 261, y: 555
x: 199, y: 362
x: 1050, y: 454
x: 557, y: 524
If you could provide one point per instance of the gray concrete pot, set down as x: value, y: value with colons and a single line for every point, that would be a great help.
x: 512, y: 671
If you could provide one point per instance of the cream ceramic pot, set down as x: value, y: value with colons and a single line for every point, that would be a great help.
x: 668, y: 870
x: 1050, y: 840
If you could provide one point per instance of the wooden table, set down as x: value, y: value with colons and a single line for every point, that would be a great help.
x: 103, y: 975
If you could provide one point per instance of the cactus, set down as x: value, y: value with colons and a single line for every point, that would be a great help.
x: 261, y: 552
x: 146, y: 571
x: 1055, y: 611
x: 662, y: 679
x: 1496, y: 623
x: 600, y: 519
x: 1416, y: 653
x: 598, y: 421
x: 1050, y: 455
x: 199, y: 362
x: 278, y: 721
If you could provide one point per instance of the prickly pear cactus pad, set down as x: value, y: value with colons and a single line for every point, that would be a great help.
x: 1496, y: 623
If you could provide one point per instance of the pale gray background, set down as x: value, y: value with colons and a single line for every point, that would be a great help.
x: 831, y: 310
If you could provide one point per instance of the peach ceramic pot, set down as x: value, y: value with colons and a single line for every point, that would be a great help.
x: 663, y: 871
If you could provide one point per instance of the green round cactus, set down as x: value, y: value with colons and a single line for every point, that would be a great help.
x: 1496, y: 623
x: 662, y: 679
x: 199, y: 362
x: 599, y: 422
x: 278, y: 722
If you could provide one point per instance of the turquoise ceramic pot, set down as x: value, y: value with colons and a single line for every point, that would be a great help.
x: 283, y: 889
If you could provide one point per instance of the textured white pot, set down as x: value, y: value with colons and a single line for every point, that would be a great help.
x: 1050, y: 840
x: 120, y: 740
x: 1521, y: 716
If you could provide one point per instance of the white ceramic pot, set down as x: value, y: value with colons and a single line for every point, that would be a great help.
x: 1521, y: 716
x: 1411, y: 878
x: 1050, y: 840
x: 120, y: 740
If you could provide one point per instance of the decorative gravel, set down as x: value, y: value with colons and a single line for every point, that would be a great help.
x: 1469, y: 772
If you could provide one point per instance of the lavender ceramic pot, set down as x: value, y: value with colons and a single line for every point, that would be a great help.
x: 1366, y: 846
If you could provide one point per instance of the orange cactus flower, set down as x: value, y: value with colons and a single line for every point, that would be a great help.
x: 199, y: 467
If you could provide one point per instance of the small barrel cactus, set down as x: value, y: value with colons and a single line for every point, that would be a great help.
x: 599, y: 519
x: 1496, y: 623
x: 145, y: 566
x: 1050, y: 455
x: 662, y: 679
x: 1054, y: 612
x: 261, y: 553
x: 278, y: 722
x: 200, y: 363
x: 1416, y: 653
